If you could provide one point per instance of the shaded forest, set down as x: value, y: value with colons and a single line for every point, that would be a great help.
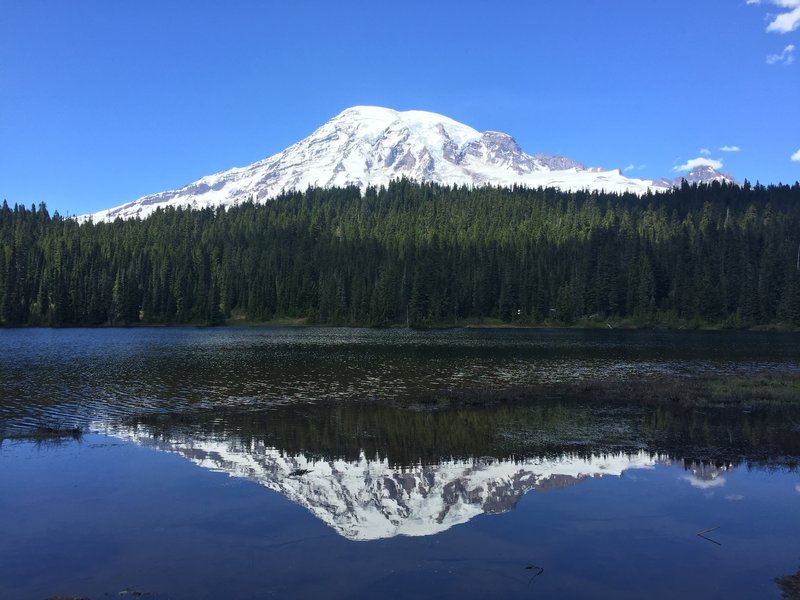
x: 418, y: 255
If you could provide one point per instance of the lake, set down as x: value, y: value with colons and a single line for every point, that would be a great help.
x: 309, y: 462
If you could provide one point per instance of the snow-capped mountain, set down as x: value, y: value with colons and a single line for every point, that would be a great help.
x: 369, y: 499
x: 699, y: 174
x: 370, y: 146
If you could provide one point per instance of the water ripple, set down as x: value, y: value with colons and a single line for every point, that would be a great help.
x: 78, y: 376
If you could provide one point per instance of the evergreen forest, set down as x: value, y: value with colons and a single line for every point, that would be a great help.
x: 418, y: 255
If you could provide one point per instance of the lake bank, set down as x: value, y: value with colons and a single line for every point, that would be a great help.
x: 624, y: 324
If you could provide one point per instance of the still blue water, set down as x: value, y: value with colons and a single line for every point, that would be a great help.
x: 257, y: 463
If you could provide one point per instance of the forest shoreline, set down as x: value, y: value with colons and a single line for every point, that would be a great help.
x: 291, y: 323
x: 721, y: 256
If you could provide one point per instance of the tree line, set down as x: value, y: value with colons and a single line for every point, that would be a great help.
x: 418, y: 255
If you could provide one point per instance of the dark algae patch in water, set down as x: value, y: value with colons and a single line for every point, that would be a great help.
x: 45, y: 434
x: 790, y: 586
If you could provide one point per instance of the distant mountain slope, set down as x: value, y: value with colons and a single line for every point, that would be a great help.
x: 699, y: 174
x: 370, y: 146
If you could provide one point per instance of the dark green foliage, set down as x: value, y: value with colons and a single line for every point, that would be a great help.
x: 417, y: 255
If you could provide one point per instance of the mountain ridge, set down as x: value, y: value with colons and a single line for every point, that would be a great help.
x: 370, y: 146
x: 699, y: 174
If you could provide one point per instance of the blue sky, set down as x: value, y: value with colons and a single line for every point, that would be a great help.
x: 103, y: 102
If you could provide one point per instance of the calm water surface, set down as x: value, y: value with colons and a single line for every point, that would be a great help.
x: 101, y: 374
x: 257, y: 463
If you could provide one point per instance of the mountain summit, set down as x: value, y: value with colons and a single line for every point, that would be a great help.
x: 370, y: 146
x: 699, y: 174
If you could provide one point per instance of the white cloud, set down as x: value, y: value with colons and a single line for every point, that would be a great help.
x: 734, y: 497
x: 796, y: 156
x: 633, y: 167
x: 705, y: 151
x: 704, y: 484
x: 786, y: 21
x: 785, y: 58
x: 698, y: 162
x: 730, y: 149
x: 797, y: 488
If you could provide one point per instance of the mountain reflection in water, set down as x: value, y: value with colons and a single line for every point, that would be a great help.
x: 368, y: 499
x: 373, y: 471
